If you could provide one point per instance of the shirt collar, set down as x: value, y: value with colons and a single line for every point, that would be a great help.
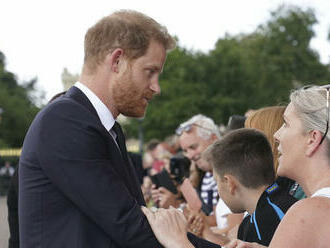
x: 103, y: 112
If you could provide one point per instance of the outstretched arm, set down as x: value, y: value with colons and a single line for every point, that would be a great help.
x: 169, y: 227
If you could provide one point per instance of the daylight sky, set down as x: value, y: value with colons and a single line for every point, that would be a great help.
x: 39, y: 38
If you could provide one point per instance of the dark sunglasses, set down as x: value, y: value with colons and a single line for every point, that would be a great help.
x: 186, y: 128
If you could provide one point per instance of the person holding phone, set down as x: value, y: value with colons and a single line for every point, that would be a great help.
x: 195, y: 135
x: 304, y: 157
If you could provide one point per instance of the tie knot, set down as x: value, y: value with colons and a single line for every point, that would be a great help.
x: 116, y: 128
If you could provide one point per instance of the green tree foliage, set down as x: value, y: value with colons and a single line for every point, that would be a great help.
x: 18, y: 109
x: 242, y: 72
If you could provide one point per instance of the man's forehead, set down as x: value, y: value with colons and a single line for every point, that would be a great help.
x: 188, y: 135
x: 187, y: 138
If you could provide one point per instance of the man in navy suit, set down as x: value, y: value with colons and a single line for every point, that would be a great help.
x: 77, y: 187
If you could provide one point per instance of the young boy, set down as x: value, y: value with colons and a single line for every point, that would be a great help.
x: 243, y: 168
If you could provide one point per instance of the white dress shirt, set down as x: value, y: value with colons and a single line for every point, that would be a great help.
x: 103, y: 112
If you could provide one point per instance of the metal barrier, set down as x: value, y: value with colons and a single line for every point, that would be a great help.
x: 15, y: 152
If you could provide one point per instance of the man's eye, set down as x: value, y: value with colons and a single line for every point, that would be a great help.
x: 193, y: 147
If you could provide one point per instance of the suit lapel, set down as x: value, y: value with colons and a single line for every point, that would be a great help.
x: 122, y: 162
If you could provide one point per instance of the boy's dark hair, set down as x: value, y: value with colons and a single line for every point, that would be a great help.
x: 246, y: 154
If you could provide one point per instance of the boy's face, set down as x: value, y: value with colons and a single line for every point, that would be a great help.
x: 227, y: 189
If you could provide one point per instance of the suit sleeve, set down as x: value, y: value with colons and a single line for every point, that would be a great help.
x: 201, y: 243
x: 74, y: 154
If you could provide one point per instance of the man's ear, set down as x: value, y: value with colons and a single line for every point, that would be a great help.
x: 313, y: 141
x: 114, y: 59
x: 231, y: 183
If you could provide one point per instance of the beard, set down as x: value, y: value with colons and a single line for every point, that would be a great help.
x: 128, y: 96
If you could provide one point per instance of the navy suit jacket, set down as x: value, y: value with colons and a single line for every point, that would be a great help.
x: 75, y: 188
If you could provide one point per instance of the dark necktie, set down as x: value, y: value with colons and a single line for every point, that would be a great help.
x: 129, y: 170
x: 120, y: 139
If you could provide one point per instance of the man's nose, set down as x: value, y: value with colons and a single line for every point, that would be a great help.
x: 192, y: 155
x: 155, y: 86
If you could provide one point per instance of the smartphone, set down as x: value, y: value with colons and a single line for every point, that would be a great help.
x: 163, y: 179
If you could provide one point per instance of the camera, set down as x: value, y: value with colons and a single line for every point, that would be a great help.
x: 179, y: 168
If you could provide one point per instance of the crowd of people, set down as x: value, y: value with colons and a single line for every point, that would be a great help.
x: 276, y: 170
x: 257, y: 192
x: 264, y: 181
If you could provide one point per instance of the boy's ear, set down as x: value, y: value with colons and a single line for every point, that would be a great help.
x: 231, y: 183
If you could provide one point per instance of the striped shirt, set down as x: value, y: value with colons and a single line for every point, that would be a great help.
x: 209, y: 190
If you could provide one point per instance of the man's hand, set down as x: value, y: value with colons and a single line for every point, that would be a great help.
x: 164, y: 198
x: 196, y: 222
x: 169, y: 227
